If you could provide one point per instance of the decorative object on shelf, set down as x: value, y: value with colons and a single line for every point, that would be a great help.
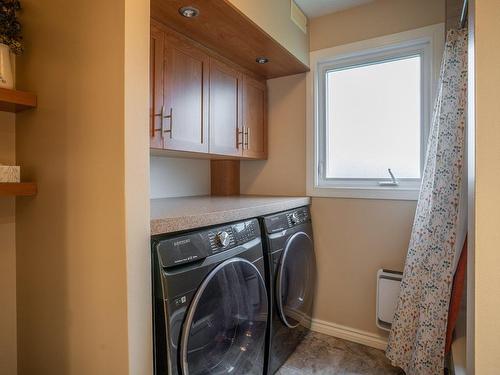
x: 9, y: 173
x: 6, y: 78
x: 10, y: 40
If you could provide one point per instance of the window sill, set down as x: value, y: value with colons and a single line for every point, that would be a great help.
x: 390, y: 193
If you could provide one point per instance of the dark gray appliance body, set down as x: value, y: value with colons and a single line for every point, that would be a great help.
x: 210, y: 310
x: 291, y: 281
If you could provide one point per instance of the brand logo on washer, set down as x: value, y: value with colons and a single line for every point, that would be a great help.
x: 182, y: 242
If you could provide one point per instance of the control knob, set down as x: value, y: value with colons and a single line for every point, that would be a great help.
x: 222, y: 239
x: 294, y: 218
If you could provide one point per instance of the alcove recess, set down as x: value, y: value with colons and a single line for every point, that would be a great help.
x: 225, y: 177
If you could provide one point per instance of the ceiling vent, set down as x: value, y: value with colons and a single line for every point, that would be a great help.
x: 298, y: 17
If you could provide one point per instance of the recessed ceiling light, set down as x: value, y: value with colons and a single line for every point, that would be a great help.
x: 189, y: 12
x: 262, y: 60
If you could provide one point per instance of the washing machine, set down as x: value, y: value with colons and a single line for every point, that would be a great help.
x: 291, y: 280
x: 210, y: 310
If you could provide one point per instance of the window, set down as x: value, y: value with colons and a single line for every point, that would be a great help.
x: 373, y: 116
x: 372, y: 110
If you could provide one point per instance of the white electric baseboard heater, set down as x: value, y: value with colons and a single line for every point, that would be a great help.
x: 388, y: 286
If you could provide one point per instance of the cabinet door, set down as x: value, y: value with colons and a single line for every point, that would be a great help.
x: 185, y: 104
x: 225, y: 110
x: 254, y: 118
x: 156, y: 88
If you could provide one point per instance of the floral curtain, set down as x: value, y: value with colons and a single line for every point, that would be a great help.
x: 417, y: 338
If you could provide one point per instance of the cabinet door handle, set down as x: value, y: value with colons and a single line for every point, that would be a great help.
x: 238, y: 132
x: 154, y: 129
x: 247, y: 139
x: 170, y: 117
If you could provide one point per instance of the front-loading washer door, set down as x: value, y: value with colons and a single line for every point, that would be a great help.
x: 225, y: 327
x: 295, y: 281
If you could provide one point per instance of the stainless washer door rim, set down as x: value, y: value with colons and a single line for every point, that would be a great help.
x: 194, y: 305
x: 279, y: 285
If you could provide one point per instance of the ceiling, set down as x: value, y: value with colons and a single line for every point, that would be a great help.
x: 315, y: 8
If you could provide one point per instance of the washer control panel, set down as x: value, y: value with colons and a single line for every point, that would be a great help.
x: 286, y: 220
x: 232, y: 235
x: 247, y: 231
x: 221, y: 238
x: 297, y: 217
x: 195, y: 246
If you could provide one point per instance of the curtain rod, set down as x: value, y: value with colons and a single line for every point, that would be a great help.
x: 463, y: 16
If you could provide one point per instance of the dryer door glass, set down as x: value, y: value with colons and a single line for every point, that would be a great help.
x: 296, y: 281
x: 225, y: 328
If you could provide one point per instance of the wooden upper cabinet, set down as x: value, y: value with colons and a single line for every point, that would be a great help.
x: 203, y: 103
x: 225, y: 110
x: 156, y: 88
x: 254, y: 118
x: 185, y: 96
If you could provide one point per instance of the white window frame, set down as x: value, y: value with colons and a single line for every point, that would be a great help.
x: 428, y: 43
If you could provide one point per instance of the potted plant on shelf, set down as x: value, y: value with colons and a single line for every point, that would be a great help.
x: 10, y: 40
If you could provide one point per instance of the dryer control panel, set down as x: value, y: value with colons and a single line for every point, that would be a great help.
x: 195, y: 246
x: 286, y: 220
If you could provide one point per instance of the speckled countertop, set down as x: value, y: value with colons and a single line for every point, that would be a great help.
x: 170, y: 215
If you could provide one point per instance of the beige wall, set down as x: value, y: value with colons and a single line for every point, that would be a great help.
x: 487, y: 234
x: 354, y: 237
x: 8, y: 331
x: 137, y: 216
x: 453, y: 13
x: 285, y: 171
x: 71, y: 240
x: 179, y: 177
x: 274, y: 18
x: 381, y: 17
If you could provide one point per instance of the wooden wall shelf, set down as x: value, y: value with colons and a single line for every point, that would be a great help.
x: 222, y: 28
x: 18, y: 189
x: 16, y: 101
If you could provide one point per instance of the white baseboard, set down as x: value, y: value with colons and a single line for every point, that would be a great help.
x: 349, y: 334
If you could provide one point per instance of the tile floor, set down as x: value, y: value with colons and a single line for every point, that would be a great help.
x: 319, y: 354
